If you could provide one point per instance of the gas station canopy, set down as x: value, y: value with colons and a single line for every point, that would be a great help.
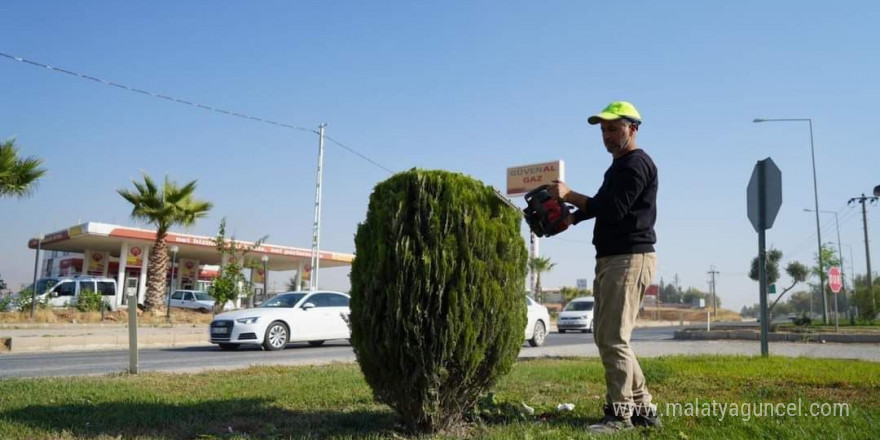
x: 101, y: 237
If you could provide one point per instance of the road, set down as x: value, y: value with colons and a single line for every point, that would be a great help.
x: 651, y: 341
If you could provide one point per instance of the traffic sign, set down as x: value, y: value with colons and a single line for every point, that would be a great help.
x: 764, y: 197
x: 835, y: 280
x: 764, y: 194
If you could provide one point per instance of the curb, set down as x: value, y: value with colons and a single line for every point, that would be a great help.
x: 702, y: 335
x: 32, y: 344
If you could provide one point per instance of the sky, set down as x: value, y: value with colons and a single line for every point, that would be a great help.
x: 472, y: 87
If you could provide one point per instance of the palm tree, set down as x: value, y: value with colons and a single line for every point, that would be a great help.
x: 163, y: 208
x: 17, y: 176
x: 539, y: 265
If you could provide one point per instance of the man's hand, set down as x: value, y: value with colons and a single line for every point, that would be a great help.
x: 558, y: 189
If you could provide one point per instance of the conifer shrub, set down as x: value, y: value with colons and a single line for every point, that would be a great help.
x: 437, y: 294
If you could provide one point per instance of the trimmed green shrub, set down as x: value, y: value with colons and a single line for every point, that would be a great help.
x: 437, y: 286
x: 89, y: 301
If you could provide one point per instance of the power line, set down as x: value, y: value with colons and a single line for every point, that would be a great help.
x: 827, y: 229
x: 189, y: 103
x: 357, y: 154
x: 828, y: 225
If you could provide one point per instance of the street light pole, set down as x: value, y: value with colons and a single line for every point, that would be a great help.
x: 265, y: 259
x: 839, y: 251
x: 36, y: 271
x: 174, y: 250
x: 816, y: 200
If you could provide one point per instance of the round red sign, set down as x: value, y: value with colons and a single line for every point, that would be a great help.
x: 835, y: 280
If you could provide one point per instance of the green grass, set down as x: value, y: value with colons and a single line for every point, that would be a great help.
x: 335, y: 402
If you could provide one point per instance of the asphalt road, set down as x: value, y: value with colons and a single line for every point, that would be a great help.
x: 190, y: 359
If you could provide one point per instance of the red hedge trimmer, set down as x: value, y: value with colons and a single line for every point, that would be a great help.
x: 545, y: 215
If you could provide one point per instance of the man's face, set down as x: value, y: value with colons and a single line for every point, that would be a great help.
x: 617, y: 135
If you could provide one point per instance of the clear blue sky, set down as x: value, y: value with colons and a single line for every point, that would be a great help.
x: 466, y: 87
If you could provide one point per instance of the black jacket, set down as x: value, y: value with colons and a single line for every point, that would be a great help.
x: 625, y: 207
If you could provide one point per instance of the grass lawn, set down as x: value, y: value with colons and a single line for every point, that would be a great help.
x: 335, y: 402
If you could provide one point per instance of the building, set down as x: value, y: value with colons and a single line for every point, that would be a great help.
x: 123, y: 253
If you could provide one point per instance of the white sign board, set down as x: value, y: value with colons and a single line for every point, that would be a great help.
x: 522, y: 179
x: 582, y: 283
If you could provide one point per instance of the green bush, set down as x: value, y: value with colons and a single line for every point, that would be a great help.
x: 24, y: 300
x: 437, y: 308
x: 5, y: 302
x: 89, y: 301
x: 862, y: 298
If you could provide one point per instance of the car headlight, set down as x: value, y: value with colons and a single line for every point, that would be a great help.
x: 249, y: 320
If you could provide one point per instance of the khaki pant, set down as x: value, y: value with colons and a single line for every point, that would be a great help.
x: 621, y: 281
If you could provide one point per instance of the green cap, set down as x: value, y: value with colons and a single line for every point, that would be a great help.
x: 616, y: 110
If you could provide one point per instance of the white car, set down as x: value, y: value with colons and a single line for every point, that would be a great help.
x: 538, y: 323
x: 192, y: 299
x: 577, y: 315
x: 312, y: 317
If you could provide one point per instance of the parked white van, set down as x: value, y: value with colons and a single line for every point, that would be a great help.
x: 64, y: 291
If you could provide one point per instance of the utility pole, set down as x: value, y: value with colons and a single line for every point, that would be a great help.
x: 712, y: 272
x: 862, y: 200
x: 316, y: 229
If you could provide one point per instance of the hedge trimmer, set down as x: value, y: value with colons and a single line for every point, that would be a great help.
x: 545, y: 215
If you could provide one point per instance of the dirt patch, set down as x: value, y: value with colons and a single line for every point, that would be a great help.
x: 676, y: 314
x: 73, y: 316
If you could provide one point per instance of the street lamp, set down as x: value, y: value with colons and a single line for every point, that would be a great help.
x: 265, y: 259
x: 816, y: 199
x: 174, y: 250
x: 839, y: 256
x: 36, y: 271
x: 852, y: 272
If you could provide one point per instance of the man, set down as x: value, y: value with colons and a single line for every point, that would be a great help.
x: 625, y: 212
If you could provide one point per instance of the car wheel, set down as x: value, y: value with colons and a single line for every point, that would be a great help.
x: 316, y: 343
x: 229, y: 347
x: 561, y: 331
x: 538, y: 335
x: 204, y: 310
x: 276, y: 336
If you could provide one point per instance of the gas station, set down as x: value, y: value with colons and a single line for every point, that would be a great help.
x: 122, y: 252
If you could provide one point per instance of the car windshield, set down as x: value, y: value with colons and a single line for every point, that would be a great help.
x: 44, y: 285
x: 579, y: 306
x: 286, y: 300
x: 203, y: 296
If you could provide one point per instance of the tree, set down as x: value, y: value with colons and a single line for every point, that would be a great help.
x: 437, y: 307
x: 829, y: 258
x: 18, y: 176
x: 671, y: 293
x: 797, y: 271
x: 539, y: 265
x: 231, y: 283
x: 163, y: 208
x: 693, y: 293
x: 570, y: 293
